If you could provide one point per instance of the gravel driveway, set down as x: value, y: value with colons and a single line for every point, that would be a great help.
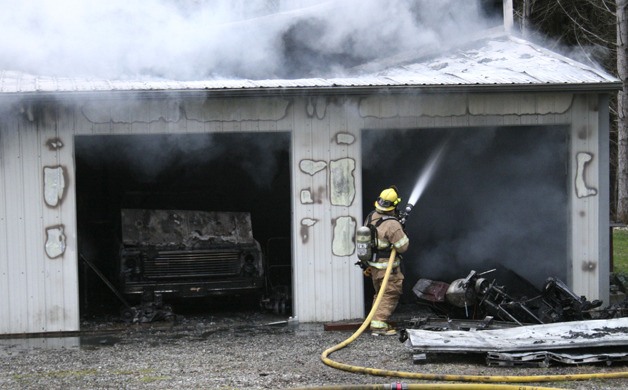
x: 234, y: 350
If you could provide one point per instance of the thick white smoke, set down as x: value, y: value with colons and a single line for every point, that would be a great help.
x: 192, y: 40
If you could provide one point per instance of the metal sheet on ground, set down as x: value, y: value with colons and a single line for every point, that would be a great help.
x: 563, y: 335
x: 545, y: 358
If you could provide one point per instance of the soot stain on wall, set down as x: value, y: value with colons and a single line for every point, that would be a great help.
x: 55, y: 179
x: 312, y: 167
x: 55, y: 241
x: 582, y: 189
x: 343, y: 243
x: 306, y: 224
x: 342, y: 182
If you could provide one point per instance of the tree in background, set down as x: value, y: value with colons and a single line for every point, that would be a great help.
x: 622, y: 106
x: 593, y: 32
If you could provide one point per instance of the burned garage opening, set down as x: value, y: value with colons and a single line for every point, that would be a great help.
x: 496, y: 198
x: 187, y: 220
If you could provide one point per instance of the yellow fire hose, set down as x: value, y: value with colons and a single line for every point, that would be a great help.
x: 443, y: 377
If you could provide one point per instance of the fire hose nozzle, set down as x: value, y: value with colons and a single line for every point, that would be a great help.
x: 403, y: 215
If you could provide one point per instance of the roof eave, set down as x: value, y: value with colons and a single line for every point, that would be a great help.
x: 609, y: 87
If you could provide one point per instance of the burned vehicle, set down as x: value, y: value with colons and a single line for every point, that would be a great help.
x: 184, y: 253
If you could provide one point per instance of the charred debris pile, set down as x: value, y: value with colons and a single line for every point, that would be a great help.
x: 476, y: 314
x: 476, y: 296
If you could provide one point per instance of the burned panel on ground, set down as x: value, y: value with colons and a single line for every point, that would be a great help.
x: 540, y: 345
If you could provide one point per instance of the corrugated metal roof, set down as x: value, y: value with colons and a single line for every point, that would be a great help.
x: 503, y: 61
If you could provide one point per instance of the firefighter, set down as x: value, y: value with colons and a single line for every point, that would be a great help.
x: 390, y: 234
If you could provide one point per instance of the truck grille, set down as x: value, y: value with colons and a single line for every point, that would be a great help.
x: 192, y: 264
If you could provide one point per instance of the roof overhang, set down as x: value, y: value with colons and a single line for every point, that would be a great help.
x: 606, y: 88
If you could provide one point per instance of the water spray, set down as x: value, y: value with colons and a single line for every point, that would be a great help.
x: 422, y: 181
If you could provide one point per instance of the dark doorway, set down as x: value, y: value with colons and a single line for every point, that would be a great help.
x: 497, y: 199
x: 235, y: 172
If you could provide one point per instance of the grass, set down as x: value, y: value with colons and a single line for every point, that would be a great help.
x: 620, y: 251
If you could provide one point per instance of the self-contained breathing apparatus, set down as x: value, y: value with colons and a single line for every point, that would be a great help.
x: 366, y: 236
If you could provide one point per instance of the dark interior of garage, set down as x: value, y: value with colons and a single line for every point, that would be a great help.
x: 234, y: 172
x: 496, y: 200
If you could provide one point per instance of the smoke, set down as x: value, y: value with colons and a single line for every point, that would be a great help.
x: 498, y: 199
x: 511, y: 205
x: 186, y: 161
x: 192, y: 40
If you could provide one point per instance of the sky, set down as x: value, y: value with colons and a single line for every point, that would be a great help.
x: 217, y: 39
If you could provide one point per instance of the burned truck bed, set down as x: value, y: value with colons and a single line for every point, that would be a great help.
x: 188, y: 253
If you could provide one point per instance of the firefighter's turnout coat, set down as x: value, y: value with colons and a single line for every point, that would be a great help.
x: 390, y: 234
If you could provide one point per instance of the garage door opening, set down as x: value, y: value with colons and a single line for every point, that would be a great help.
x: 498, y: 199
x: 162, y: 213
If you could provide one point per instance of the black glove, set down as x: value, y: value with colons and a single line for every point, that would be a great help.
x: 362, y: 264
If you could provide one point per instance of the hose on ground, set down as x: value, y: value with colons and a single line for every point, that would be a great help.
x: 429, y: 386
x: 484, y: 379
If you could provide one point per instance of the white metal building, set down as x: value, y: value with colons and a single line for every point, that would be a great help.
x: 503, y: 82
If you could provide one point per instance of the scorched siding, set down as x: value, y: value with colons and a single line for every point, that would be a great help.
x: 38, y: 233
x: 16, y: 239
x: 589, y: 199
x: 327, y: 286
x: 41, y: 282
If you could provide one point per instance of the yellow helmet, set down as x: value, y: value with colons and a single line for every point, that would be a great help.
x: 388, y: 199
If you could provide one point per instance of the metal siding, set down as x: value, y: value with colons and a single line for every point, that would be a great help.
x: 67, y: 216
x: 322, y: 281
x: 520, y: 104
x: 15, y: 238
x: 355, y: 125
x: 66, y: 271
x: 604, y: 199
x: 325, y: 287
x: 75, y: 124
x: 585, y: 266
x: 34, y: 256
x: 303, y: 260
x: 5, y: 303
x: 350, y: 278
x: 289, y: 122
x: 38, y: 292
x: 321, y: 232
x: 342, y: 270
x: 300, y: 281
x: 54, y: 284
